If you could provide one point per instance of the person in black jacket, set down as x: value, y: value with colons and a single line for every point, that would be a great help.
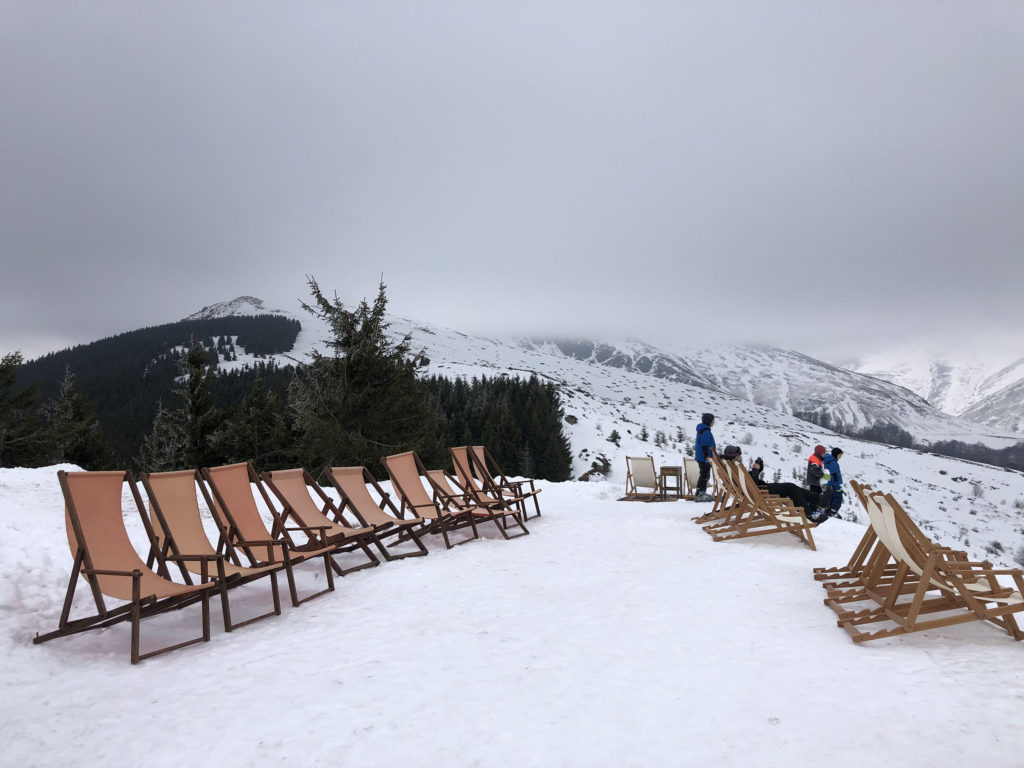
x: 815, y: 468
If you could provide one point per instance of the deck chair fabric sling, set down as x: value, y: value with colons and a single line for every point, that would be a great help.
x: 691, y: 474
x: 481, y: 503
x: 642, y: 482
x: 233, y: 501
x: 292, y: 488
x: 105, y: 558
x: 441, y: 515
x: 178, y: 529
x: 756, y: 514
x: 353, y: 486
x: 487, y: 469
x: 966, y: 591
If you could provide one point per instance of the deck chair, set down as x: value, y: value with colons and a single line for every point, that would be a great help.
x: 487, y: 469
x: 105, y: 558
x: 691, y: 474
x: 178, y: 530
x: 441, y: 514
x: 486, y: 503
x: 725, y: 499
x: 353, y: 487
x: 962, y: 591
x: 293, y: 487
x: 233, y: 502
x: 642, y: 482
x: 756, y: 513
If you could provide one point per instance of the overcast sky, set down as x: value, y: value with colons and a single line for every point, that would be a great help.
x: 689, y: 172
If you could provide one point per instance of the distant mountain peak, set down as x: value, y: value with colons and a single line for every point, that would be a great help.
x: 243, y: 305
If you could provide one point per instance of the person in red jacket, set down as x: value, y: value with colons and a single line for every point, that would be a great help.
x: 815, y: 468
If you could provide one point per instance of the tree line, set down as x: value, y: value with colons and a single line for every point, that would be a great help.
x: 362, y: 398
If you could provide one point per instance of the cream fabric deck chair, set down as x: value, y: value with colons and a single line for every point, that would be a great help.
x: 482, y: 504
x: 234, y: 503
x: 292, y: 488
x: 963, y: 591
x: 105, y: 558
x: 756, y: 513
x: 440, y: 513
x: 353, y: 486
x: 178, y: 529
x: 642, y: 482
x: 691, y: 474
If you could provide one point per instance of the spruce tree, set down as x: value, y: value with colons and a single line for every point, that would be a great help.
x: 199, y: 418
x: 163, y: 449
x: 74, y: 429
x: 23, y: 438
x: 255, y: 430
x: 362, y: 399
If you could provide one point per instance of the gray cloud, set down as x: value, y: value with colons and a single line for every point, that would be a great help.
x: 694, y: 172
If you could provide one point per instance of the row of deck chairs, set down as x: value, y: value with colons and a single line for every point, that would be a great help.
x: 742, y: 508
x: 899, y: 581
x: 308, y: 527
x: 645, y: 483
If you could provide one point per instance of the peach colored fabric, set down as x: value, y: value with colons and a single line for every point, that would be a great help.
x: 232, y: 482
x: 462, y: 464
x: 406, y: 479
x: 350, y: 480
x: 97, y: 500
x: 291, y: 484
x: 175, y: 492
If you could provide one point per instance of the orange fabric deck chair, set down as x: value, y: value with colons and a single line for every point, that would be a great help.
x: 440, y: 513
x: 178, y: 528
x: 234, y: 503
x: 482, y: 504
x: 292, y: 488
x: 353, y: 487
x: 484, y: 465
x: 105, y: 558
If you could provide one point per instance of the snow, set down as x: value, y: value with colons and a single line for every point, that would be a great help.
x: 616, y: 634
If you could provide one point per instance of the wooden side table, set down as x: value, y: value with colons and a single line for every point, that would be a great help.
x: 675, y: 474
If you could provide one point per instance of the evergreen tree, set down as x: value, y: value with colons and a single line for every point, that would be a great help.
x: 644, y: 434
x: 255, y: 430
x: 362, y: 400
x: 74, y: 429
x: 199, y: 418
x: 614, y: 437
x: 23, y: 439
x: 163, y: 449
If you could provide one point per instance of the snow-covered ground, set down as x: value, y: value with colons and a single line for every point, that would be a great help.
x: 616, y: 634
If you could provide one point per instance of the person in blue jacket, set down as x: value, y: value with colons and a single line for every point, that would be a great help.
x: 831, y: 498
x: 702, y: 451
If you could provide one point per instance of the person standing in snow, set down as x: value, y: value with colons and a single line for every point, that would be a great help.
x: 702, y: 452
x: 831, y: 498
x: 815, y: 468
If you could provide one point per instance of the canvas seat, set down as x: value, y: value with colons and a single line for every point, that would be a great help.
x: 353, y: 486
x: 105, y: 558
x: 234, y: 503
x: 178, y: 529
x: 293, y: 487
x: 486, y: 503
x: 642, y: 482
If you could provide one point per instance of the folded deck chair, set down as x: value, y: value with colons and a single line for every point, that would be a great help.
x: 234, y: 503
x: 178, y: 529
x: 756, y: 513
x: 486, y: 503
x: 353, y: 487
x: 293, y: 488
x: 440, y: 513
x: 947, y: 590
x: 487, y: 469
x: 641, y: 479
x: 105, y: 558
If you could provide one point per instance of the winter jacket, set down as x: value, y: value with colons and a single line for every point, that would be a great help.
x: 814, y: 471
x: 832, y: 467
x: 705, y: 446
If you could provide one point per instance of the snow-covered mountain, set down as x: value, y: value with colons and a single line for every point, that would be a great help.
x: 243, y: 305
x: 983, y: 386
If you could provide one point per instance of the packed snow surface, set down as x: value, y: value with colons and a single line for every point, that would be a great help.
x: 616, y: 634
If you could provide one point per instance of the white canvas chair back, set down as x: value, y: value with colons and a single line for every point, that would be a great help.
x: 641, y: 468
x: 691, y: 468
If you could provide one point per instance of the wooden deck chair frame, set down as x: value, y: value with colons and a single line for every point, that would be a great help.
x: 241, y: 517
x: 352, y: 485
x: 756, y: 514
x: 178, y: 531
x: 724, y: 499
x: 440, y: 514
x: 967, y: 591
x: 292, y: 488
x: 691, y: 474
x: 486, y: 468
x: 641, y: 473
x: 466, y: 474
x: 98, y: 539
x: 487, y: 503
